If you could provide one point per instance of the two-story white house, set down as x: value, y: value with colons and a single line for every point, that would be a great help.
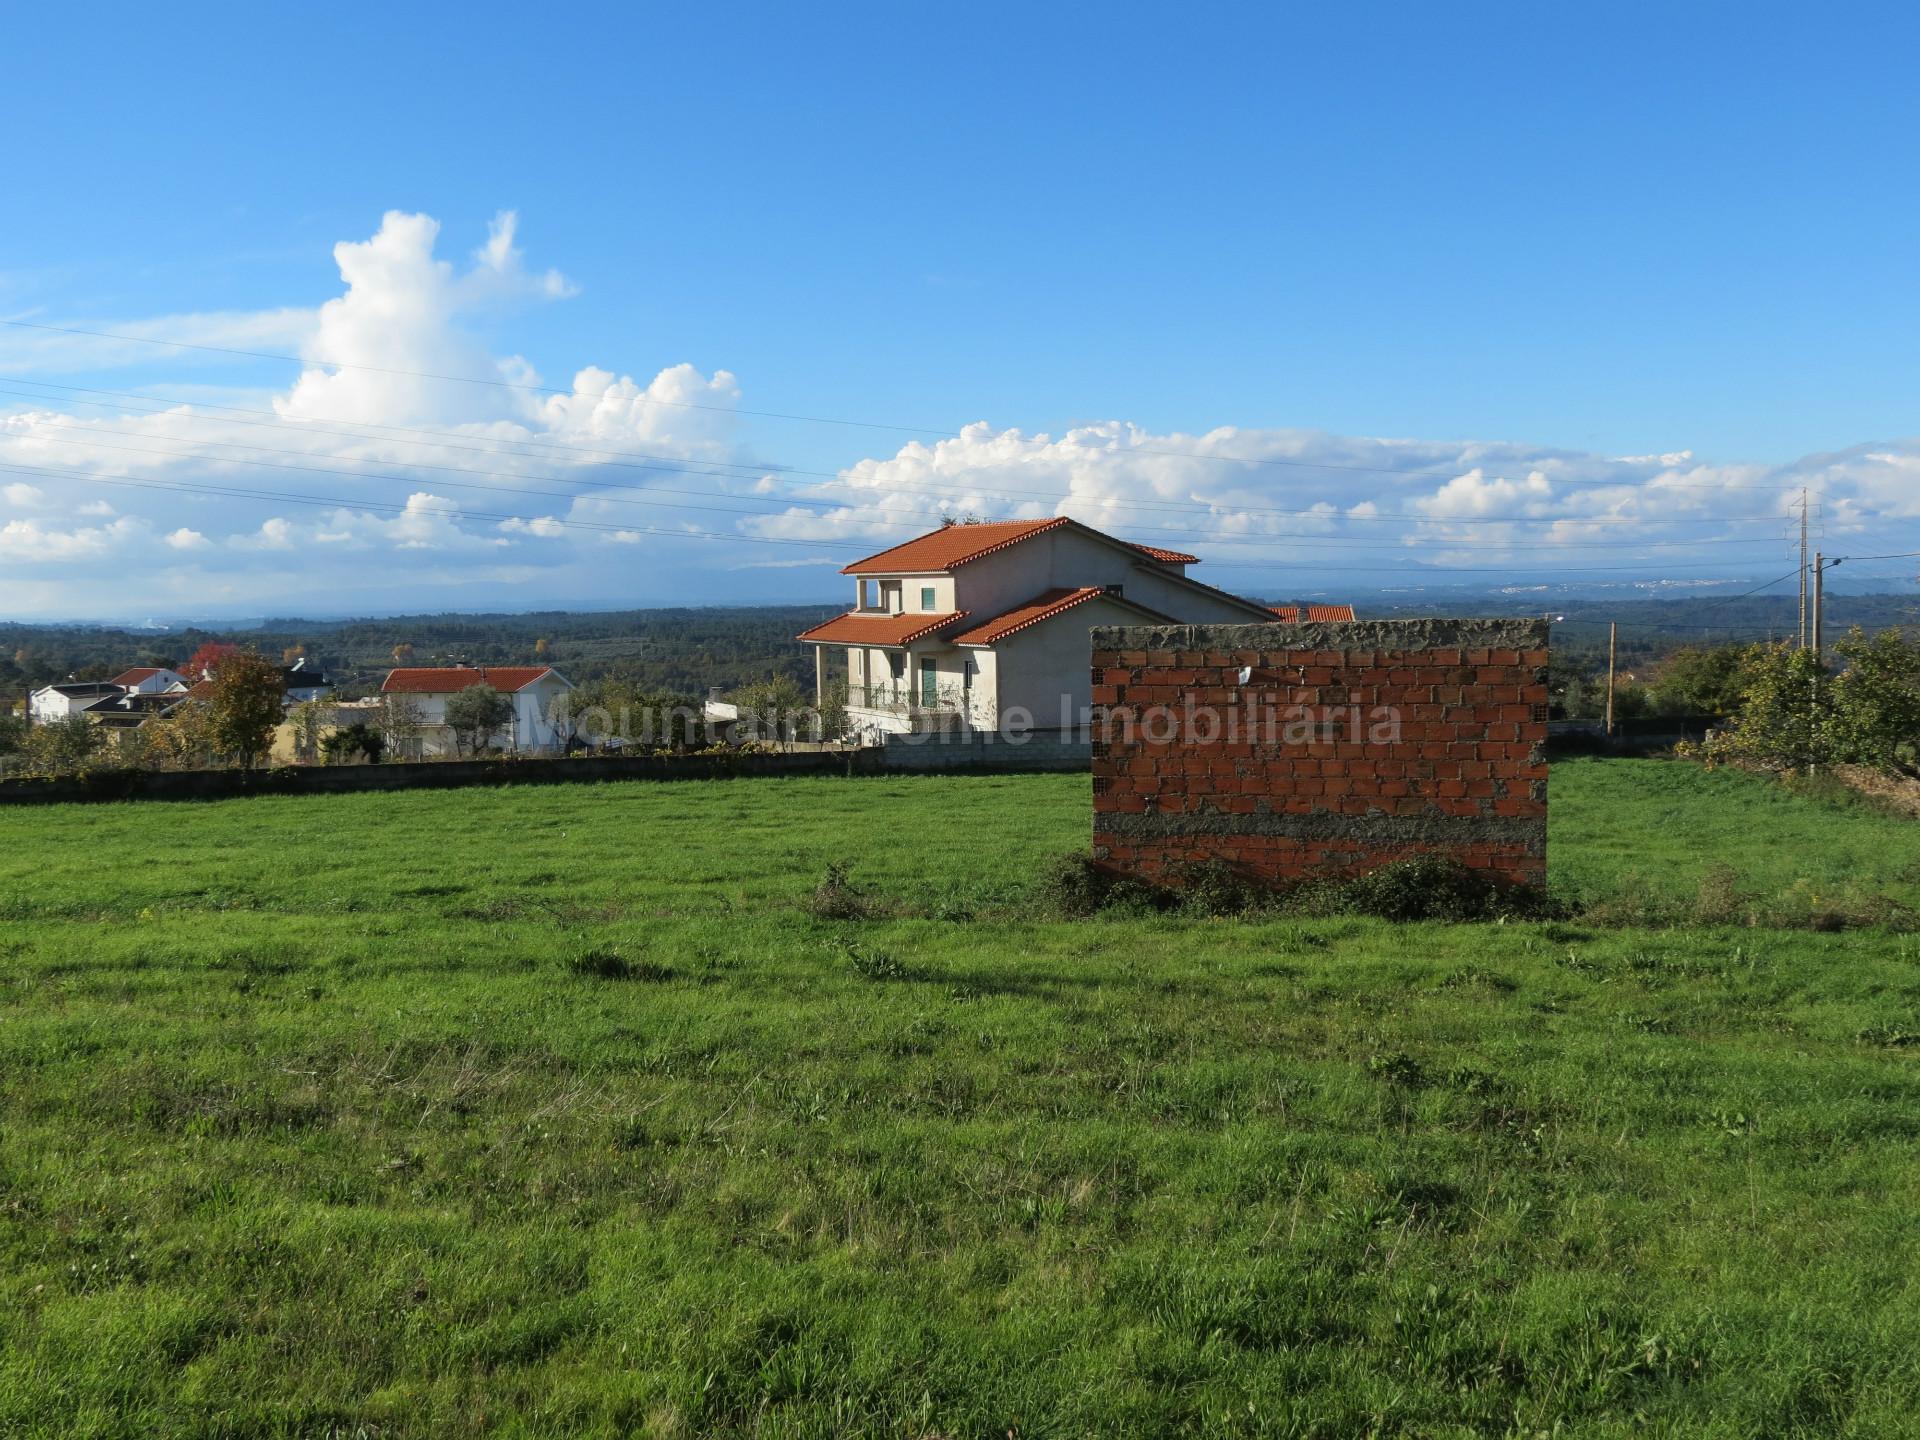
x: 151, y: 680
x: 989, y: 622
x: 537, y: 726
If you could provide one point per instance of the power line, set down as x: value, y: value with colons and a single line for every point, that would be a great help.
x: 776, y: 414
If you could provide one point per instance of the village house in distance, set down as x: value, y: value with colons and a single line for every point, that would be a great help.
x: 533, y: 728
x: 975, y: 621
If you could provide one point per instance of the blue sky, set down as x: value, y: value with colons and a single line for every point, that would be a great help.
x: 1637, y: 231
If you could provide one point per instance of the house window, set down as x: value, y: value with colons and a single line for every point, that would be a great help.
x: 966, y: 674
x: 896, y: 664
x: 926, y: 597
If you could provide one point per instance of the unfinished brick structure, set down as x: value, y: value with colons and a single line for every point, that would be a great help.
x: 1292, y: 751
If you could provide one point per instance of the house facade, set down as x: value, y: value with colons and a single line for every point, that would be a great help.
x: 150, y: 680
x: 57, y: 702
x: 986, y: 625
x: 538, y: 726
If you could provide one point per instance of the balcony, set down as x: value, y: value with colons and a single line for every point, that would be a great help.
x: 908, y: 707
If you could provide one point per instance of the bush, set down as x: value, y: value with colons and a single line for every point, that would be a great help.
x: 1795, y: 714
x: 357, y: 739
x: 1422, y: 887
x: 837, y: 898
x: 1075, y: 885
x: 1211, y: 887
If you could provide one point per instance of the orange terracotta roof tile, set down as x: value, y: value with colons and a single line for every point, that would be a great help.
x: 1316, y: 614
x: 1166, y: 557
x: 855, y: 628
x: 1043, y: 607
x: 952, y: 545
x: 448, y: 679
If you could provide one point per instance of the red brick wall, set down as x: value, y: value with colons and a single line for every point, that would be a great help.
x: 1351, y: 744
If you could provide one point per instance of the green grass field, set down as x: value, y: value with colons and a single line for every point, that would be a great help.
x: 332, y: 1117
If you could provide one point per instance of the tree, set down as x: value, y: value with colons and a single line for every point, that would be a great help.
x: 205, y: 662
x: 475, y: 714
x: 358, y: 738
x: 293, y: 653
x: 541, y: 647
x: 1876, y: 702
x: 403, y: 654
x: 1701, y: 680
x: 63, y: 745
x: 1793, y: 713
x: 13, y: 734
x: 775, y: 709
x: 640, y: 718
x: 834, y: 720
x: 184, y: 739
x: 400, y: 723
x: 308, y: 718
x: 1785, y: 707
x: 247, y: 703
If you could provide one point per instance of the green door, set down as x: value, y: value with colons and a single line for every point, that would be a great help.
x: 929, y: 685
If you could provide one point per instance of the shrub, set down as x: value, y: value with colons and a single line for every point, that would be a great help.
x: 1211, y: 887
x: 837, y: 898
x: 1421, y: 887
x: 1794, y: 714
x: 357, y: 739
x: 1075, y: 885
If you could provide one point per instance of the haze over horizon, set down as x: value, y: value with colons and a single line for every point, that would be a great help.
x: 1308, y: 331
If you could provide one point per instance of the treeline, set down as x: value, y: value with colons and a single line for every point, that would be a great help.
x: 682, y: 651
x: 686, y: 651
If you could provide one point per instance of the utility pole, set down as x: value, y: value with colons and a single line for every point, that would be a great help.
x: 1613, y: 641
x: 1803, y: 567
x: 1819, y: 596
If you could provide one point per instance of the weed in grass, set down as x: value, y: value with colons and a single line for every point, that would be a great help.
x: 1478, y: 977
x: 605, y: 963
x: 1890, y: 1036
x: 1396, y: 1067
x: 836, y: 897
x: 872, y: 964
x: 1719, y: 901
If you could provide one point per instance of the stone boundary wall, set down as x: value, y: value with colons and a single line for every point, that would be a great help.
x: 1034, y: 750
x: 1037, y: 751
x: 439, y: 775
x: 1346, y: 746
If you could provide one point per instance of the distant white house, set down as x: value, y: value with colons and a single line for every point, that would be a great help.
x: 57, y: 702
x: 150, y: 680
x: 538, y: 726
